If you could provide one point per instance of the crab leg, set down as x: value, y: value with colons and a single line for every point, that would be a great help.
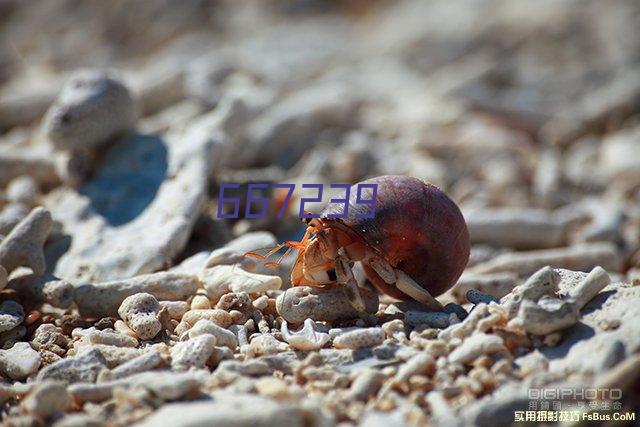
x: 344, y: 276
x: 403, y: 282
x: 290, y: 244
x: 407, y: 285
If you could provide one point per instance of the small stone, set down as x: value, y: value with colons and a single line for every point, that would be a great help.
x: 104, y: 299
x: 144, y: 362
x: 360, y: 338
x: 219, y: 280
x: 176, y: 309
x: 47, y: 399
x: 264, y: 344
x: 140, y: 312
x: 474, y: 296
x: 457, y: 309
x: 19, y: 361
x: 193, y: 353
x: 92, y: 109
x: 433, y: 319
x: 23, y: 189
x: 307, y: 338
x: 23, y: 246
x: 51, y: 337
x: 200, y: 302
x: 220, y: 317
x: 475, y: 346
x: 223, y: 336
x: 11, y: 315
x: 327, y: 303
x: 82, y: 368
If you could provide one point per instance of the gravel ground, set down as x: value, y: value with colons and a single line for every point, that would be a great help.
x: 126, y: 299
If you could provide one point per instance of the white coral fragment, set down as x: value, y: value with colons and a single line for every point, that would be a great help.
x: 307, y: 338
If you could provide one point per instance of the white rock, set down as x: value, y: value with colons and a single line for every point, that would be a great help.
x: 307, y: 338
x: 92, y: 108
x: 475, y: 346
x: 222, y: 279
x: 144, y: 230
x: 223, y: 336
x: 140, y: 312
x: 11, y: 315
x: 193, y: 353
x: 19, y: 361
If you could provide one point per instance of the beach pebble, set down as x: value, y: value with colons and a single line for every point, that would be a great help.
x: 47, y: 399
x: 49, y: 289
x: 23, y: 189
x: 544, y: 282
x: 140, y: 313
x: 11, y: 315
x: 360, y: 338
x: 433, y: 319
x: 474, y: 296
x: 547, y: 316
x: 104, y: 299
x: 175, y: 309
x: 50, y: 337
x: 145, y: 362
x: 264, y: 344
x: 220, y: 317
x: 19, y: 361
x: 307, y: 338
x: 222, y: 279
x: 110, y: 337
x: 82, y: 368
x: 92, y: 109
x: 515, y: 227
x: 329, y: 303
x: 23, y: 246
x: 234, y: 251
x: 193, y: 353
x: 200, y: 302
x: 475, y: 346
x: 113, y: 355
x: 224, y: 337
x: 366, y: 384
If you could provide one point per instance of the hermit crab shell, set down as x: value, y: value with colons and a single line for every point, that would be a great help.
x: 416, y: 228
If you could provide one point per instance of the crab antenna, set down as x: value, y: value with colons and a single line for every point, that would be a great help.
x: 277, y: 263
x: 291, y: 244
x: 268, y: 255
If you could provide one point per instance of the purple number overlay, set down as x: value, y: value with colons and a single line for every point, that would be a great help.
x: 345, y: 201
x: 371, y: 201
x: 303, y: 213
x: 258, y: 207
x: 263, y: 201
x: 222, y: 200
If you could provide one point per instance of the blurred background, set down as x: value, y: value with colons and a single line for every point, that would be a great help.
x: 527, y: 113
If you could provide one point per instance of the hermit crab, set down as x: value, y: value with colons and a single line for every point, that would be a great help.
x: 414, y: 247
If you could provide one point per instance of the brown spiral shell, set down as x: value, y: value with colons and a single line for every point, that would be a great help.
x: 417, y: 228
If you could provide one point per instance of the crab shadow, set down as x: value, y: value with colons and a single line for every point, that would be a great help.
x: 127, y: 178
